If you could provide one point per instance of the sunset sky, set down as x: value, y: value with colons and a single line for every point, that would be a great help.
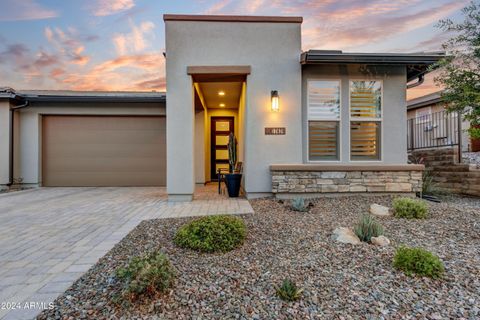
x: 118, y: 44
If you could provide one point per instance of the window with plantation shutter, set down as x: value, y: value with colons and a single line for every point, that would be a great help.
x: 365, y: 140
x: 323, y: 140
x: 365, y: 99
x: 365, y: 120
x: 323, y: 112
x: 323, y: 100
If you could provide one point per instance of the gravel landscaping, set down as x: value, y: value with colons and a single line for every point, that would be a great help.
x: 339, y: 281
x: 471, y: 158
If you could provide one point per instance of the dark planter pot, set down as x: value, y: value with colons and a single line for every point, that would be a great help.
x: 233, y: 182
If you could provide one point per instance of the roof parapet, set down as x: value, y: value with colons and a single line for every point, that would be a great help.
x: 232, y: 18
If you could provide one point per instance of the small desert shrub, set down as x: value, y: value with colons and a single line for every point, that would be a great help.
x: 211, y: 234
x: 410, y: 208
x: 147, y: 275
x: 428, y: 185
x: 289, y: 291
x: 367, y: 227
x: 298, y: 204
x: 418, y: 261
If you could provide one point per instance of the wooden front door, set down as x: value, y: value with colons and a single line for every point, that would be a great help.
x: 221, y: 127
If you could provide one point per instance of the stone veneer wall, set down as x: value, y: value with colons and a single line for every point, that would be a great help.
x: 345, y: 181
x: 439, y: 157
x: 448, y: 175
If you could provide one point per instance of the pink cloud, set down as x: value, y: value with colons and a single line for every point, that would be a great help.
x: 17, y: 55
x: 68, y: 44
x: 157, y: 84
x: 45, y: 59
x: 338, y: 30
x: 143, y: 70
x: 134, y: 41
x: 57, y: 72
x: 108, y: 7
x: 217, y: 7
x: 14, y: 10
x: 347, y: 24
x: 434, y: 43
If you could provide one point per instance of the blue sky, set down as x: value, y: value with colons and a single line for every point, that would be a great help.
x: 118, y: 44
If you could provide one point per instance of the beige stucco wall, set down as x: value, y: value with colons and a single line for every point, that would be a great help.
x: 241, y: 123
x: 4, y: 142
x: 28, y: 144
x: 200, y: 147
x: 272, y: 50
x: 394, y: 131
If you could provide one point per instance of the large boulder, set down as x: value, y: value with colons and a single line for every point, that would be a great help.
x: 380, y: 211
x: 345, y: 235
x: 381, y: 241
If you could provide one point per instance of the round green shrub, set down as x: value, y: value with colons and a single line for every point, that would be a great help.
x: 212, y: 234
x: 146, y: 275
x: 418, y: 261
x: 410, y: 208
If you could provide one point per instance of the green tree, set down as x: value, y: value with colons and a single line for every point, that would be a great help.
x: 460, y: 70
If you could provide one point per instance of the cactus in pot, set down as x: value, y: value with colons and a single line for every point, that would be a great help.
x: 232, y: 151
x: 233, y: 180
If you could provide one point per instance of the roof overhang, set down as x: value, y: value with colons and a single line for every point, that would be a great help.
x: 93, y: 96
x: 424, y: 101
x: 11, y: 95
x: 417, y: 63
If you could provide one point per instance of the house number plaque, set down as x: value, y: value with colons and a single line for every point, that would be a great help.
x: 275, y: 131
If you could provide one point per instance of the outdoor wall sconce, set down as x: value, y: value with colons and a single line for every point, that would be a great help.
x: 275, y: 102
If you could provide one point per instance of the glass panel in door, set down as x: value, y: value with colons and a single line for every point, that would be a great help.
x: 220, y: 129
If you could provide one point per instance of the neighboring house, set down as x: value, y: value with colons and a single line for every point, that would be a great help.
x: 430, y: 126
x: 306, y: 123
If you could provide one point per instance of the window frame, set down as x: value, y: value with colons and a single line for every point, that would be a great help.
x: 426, y: 117
x: 339, y: 120
x: 360, y: 119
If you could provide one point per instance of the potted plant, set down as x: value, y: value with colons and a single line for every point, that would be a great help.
x: 233, y: 179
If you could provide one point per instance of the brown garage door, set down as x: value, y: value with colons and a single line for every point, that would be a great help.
x: 103, y: 151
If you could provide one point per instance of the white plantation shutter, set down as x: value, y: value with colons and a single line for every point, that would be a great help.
x: 366, y: 117
x: 323, y: 119
x: 323, y: 140
x: 365, y: 99
x: 365, y: 140
x: 323, y: 100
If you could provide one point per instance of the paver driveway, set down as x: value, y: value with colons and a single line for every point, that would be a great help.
x: 50, y: 236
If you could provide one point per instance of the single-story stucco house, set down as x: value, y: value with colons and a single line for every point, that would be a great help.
x: 306, y: 122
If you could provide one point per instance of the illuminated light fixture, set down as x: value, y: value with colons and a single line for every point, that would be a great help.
x: 221, y: 93
x: 222, y: 105
x: 275, y: 101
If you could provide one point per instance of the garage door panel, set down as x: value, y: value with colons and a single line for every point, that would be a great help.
x: 104, y: 151
x: 117, y: 150
x: 108, y: 179
x: 104, y: 164
x: 109, y: 136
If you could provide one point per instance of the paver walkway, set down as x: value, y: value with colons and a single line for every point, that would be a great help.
x: 50, y: 236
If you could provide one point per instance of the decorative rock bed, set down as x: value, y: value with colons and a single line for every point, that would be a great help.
x: 338, y: 280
